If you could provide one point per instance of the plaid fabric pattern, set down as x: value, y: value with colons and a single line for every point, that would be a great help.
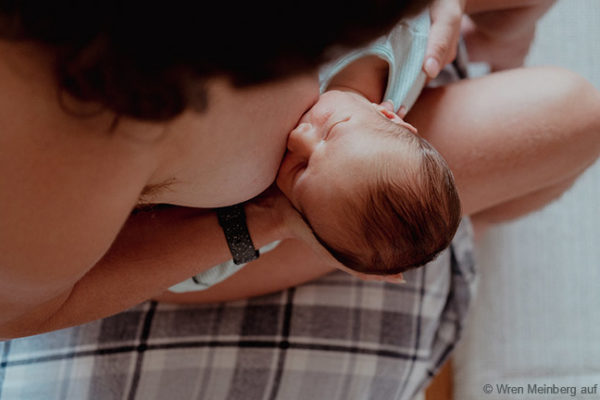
x: 334, y: 338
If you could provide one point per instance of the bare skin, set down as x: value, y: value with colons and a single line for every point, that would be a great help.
x: 70, y: 251
x: 72, y: 186
x: 516, y: 154
x: 500, y: 33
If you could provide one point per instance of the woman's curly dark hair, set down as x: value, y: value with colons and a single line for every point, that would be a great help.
x: 150, y: 60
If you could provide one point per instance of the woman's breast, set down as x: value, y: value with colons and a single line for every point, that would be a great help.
x: 212, y: 168
x: 216, y: 179
x: 232, y: 151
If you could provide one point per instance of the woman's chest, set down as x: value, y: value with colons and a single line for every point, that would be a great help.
x: 216, y: 168
x: 231, y: 151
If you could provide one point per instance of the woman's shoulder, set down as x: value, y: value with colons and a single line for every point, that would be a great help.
x: 65, y: 182
x: 39, y: 118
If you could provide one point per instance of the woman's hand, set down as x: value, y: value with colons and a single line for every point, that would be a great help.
x: 502, y: 36
x: 446, y: 16
x: 273, y: 208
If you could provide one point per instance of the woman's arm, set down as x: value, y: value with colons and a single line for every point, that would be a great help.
x: 478, y: 6
x: 291, y: 263
x: 500, y: 32
x: 60, y: 266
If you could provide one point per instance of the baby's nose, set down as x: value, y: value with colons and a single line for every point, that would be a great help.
x: 303, y: 139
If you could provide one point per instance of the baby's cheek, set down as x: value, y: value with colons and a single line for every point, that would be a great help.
x: 283, y: 168
x: 284, y: 175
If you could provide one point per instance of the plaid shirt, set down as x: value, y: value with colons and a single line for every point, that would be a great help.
x: 334, y: 338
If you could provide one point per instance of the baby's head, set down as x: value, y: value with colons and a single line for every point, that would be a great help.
x: 378, y: 197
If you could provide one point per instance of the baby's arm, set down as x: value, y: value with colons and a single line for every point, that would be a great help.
x: 366, y: 76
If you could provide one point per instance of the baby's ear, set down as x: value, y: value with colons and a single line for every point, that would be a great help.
x: 383, y: 108
x: 388, y: 105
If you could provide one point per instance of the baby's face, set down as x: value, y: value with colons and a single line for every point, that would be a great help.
x: 332, y: 153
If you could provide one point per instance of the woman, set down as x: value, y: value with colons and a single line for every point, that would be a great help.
x: 117, y: 84
x: 139, y: 163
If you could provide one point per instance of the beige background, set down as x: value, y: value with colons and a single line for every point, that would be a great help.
x: 537, y: 314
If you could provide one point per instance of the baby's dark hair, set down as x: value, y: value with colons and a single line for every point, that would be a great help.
x: 152, y: 60
x: 405, y: 218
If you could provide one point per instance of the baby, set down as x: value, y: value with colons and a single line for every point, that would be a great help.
x: 377, y: 196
